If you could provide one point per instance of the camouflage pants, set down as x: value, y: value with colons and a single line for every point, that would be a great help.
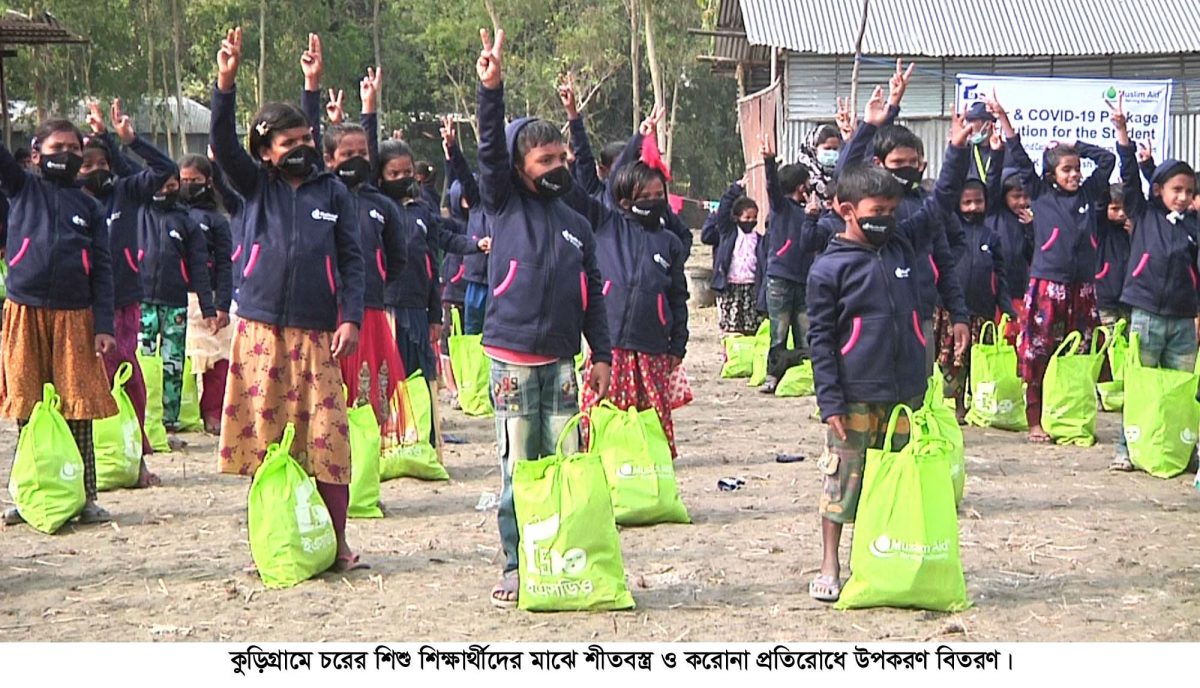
x: 168, y: 325
x: 842, y: 463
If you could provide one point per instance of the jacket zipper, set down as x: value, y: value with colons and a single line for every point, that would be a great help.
x: 635, y: 283
x: 287, y: 294
x: 895, y: 327
x: 548, y: 288
x: 54, y: 241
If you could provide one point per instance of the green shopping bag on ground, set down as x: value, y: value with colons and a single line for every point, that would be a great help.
x: 637, y: 462
x: 365, y: 442
x: 189, y: 400
x: 739, y: 356
x: 905, y: 548
x: 1069, y: 392
x: 1161, y: 417
x: 1112, y: 393
x: 46, y: 482
x: 797, y: 381
x: 762, y: 347
x: 291, y: 533
x: 117, y: 440
x: 937, y: 420
x: 570, y: 553
x: 997, y: 392
x: 472, y: 370
x: 415, y: 456
x: 152, y: 373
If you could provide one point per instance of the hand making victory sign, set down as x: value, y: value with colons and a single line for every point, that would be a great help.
x: 312, y: 63
x: 228, y: 59
x: 566, y: 93
x: 1116, y: 114
x: 489, y: 67
x: 369, y: 89
x: 335, y: 109
x: 899, y: 82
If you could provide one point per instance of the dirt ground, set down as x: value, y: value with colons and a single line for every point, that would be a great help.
x: 1054, y: 548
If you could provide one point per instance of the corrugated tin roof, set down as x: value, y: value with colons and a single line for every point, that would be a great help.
x: 21, y: 29
x: 937, y: 28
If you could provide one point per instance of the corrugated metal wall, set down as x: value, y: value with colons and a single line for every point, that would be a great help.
x: 813, y: 83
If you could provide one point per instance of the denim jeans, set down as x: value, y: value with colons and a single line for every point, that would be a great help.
x: 533, y: 405
x: 474, y: 307
x: 1164, y: 343
x: 788, y: 312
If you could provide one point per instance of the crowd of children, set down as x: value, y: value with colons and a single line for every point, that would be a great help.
x: 312, y: 270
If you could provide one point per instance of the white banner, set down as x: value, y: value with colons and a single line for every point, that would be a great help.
x: 1069, y: 110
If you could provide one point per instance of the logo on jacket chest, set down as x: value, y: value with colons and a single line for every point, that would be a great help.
x: 376, y: 215
x: 78, y: 221
x: 113, y: 218
x: 1084, y: 208
x: 903, y: 273
x: 662, y: 261
x: 318, y: 214
x: 572, y: 239
x: 174, y: 234
x: 421, y: 224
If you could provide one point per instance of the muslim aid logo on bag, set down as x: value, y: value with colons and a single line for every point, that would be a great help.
x: 311, y: 517
x: 68, y: 473
x: 885, y: 548
x: 543, y: 561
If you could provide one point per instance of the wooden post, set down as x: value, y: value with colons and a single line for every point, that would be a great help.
x: 862, y: 30
x: 4, y: 103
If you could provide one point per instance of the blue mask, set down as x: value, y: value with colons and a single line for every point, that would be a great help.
x: 827, y: 157
x: 977, y: 139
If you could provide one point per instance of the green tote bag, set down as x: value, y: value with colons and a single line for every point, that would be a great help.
x: 46, y: 482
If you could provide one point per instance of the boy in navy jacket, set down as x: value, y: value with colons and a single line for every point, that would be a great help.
x: 1161, y: 281
x: 865, y: 332
x: 471, y: 281
x: 787, y: 266
x: 1113, y: 227
x: 546, y: 292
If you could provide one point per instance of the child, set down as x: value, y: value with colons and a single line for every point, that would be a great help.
x: 175, y: 252
x: 1112, y: 255
x: 819, y: 155
x: 58, y: 315
x: 1011, y: 222
x: 641, y: 264
x: 299, y: 238
x: 1161, y: 281
x: 373, y: 373
x: 787, y: 265
x: 209, y: 352
x: 979, y: 269
x: 739, y: 253
x: 546, y: 292
x: 1061, y: 296
x: 464, y: 204
x: 866, y: 338
x: 124, y: 189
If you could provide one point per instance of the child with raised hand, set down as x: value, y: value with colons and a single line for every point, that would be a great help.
x: 787, y: 264
x: 865, y: 332
x: 375, y: 370
x: 1161, y: 281
x: 1011, y: 221
x: 175, y: 253
x: 464, y: 208
x: 124, y: 190
x: 1061, y: 296
x: 1113, y: 227
x: 58, y: 315
x: 209, y: 351
x: 641, y: 264
x: 739, y: 262
x: 300, y: 298
x: 546, y: 292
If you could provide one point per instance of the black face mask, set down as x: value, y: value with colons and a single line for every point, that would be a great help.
x: 194, y: 193
x: 910, y: 177
x: 878, y: 229
x: 165, y: 200
x: 554, y: 184
x: 747, y: 227
x: 98, y: 182
x: 298, y: 162
x: 354, y: 171
x: 400, y: 189
x: 972, y: 218
x: 61, y: 167
x: 649, y: 212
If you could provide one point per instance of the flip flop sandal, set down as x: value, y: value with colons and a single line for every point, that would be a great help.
x: 346, y: 564
x: 825, y: 589
x: 93, y: 513
x: 508, y: 585
x: 12, y: 517
x: 1121, y: 464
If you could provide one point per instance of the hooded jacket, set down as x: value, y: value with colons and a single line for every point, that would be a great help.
x: 173, y: 258
x: 1064, y: 224
x: 219, y: 241
x: 297, y: 244
x: 463, y: 184
x: 1161, y: 275
x: 725, y: 230
x: 542, y: 271
x: 979, y: 269
x: 784, y: 261
x: 384, y: 235
x: 57, y: 245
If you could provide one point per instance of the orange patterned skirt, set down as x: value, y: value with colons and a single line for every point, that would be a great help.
x: 280, y: 375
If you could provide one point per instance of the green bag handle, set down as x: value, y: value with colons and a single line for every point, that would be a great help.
x: 891, y: 426
x: 990, y: 326
x: 1108, y: 335
x: 1119, y: 330
x: 1102, y: 348
x: 456, y: 327
x: 1070, y: 344
x: 571, y: 425
x: 1133, y: 355
x: 632, y: 412
x: 50, y: 396
x: 285, y: 442
x: 124, y: 375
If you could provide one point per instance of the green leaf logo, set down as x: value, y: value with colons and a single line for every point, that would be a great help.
x: 1112, y: 93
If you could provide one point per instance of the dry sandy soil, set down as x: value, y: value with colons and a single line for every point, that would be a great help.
x: 1054, y: 547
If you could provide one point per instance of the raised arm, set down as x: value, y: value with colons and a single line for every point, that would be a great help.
x: 495, y: 164
x: 457, y: 168
x: 774, y: 193
x: 855, y: 150
x: 584, y: 169
x: 1014, y: 152
x: 230, y: 198
x: 1106, y: 162
x: 995, y: 172
x: 12, y: 175
x: 312, y: 64
x: 368, y: 91
x: 233, y: 159
x: 1131, y: 182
